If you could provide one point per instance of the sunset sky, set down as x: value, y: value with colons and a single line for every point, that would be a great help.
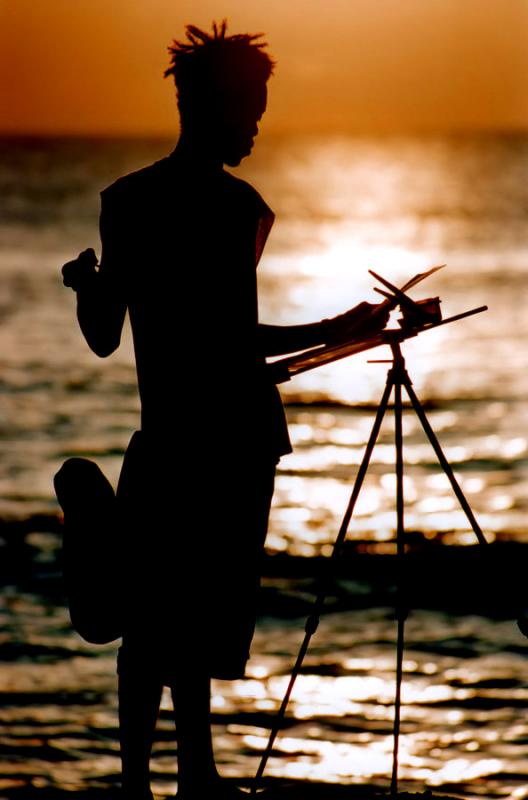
x: 96, y: 66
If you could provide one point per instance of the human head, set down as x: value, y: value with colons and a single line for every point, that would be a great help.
x: 221, y: 87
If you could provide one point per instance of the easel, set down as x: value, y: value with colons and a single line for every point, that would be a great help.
x: 397, y: 380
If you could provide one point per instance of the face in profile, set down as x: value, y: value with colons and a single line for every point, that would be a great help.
x: 237, y: 123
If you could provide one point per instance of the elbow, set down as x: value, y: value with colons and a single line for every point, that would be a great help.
x: 101, y: 352
x: 103, y: 348
x: 102, y: 340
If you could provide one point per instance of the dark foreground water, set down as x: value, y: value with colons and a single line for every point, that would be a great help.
x: 465, y: 695
x: 397, y: 205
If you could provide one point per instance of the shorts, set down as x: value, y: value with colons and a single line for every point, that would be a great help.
x: 191, y: 548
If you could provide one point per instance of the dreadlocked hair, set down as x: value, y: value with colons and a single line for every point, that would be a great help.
x: 210, y: 63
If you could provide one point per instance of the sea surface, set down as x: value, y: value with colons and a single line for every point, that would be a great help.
x: 344, y: 205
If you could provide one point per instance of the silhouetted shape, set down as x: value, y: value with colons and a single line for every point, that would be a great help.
x: 91, y: 550
x: 181, y: 241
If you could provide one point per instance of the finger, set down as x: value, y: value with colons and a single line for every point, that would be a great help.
x: 357, y: 314
x: 69, y: 271
x: 66, y: 277
x: 88, y: 256
x: 382, y: 314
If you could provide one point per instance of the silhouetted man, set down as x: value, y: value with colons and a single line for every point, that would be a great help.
x: 180, y: 243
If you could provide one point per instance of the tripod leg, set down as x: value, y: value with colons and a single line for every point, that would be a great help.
x: 313, y: 620
x: 401, y: 611
x: 444, y: 462
x: 362, y: 471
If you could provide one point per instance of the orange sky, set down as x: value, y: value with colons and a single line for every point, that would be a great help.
x: 95, y: 66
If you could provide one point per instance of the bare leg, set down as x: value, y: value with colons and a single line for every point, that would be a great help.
x: 191, y: 695
x: 139, y: 701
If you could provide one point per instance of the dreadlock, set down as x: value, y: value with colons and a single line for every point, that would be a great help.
x: 212, y: 63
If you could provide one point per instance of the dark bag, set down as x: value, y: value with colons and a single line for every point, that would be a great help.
x: 90, y: 550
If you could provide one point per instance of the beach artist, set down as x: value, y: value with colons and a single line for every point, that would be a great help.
x: 181, y: 240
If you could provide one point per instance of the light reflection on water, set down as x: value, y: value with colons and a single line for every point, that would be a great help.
x: 343, y: 206
x: 463, y: 718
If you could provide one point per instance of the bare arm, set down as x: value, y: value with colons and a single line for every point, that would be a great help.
x: 362, y: 320
x: 101, y: 305
x: 274, y: 340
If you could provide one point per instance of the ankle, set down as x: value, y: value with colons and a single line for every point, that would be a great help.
x: 197, y: 785
x: 136, y: 789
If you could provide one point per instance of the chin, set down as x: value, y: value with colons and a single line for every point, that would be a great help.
x: 233, y: 158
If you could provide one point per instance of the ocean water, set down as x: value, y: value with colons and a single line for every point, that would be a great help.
x: 344, y: 205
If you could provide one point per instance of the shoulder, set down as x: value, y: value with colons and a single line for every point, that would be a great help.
x: 135, y: 184
x: 261, y: 215
x: 248, y: 194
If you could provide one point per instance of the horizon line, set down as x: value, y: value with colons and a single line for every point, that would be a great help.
x: 353, y: 132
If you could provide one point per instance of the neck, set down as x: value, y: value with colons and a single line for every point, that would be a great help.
x: 195, y: 152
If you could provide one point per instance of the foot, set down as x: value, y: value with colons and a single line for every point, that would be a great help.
x: 135, y: 794
x: 219, y: 790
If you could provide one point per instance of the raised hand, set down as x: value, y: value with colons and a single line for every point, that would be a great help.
x: 81, y: 270
x: 365, y: 319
